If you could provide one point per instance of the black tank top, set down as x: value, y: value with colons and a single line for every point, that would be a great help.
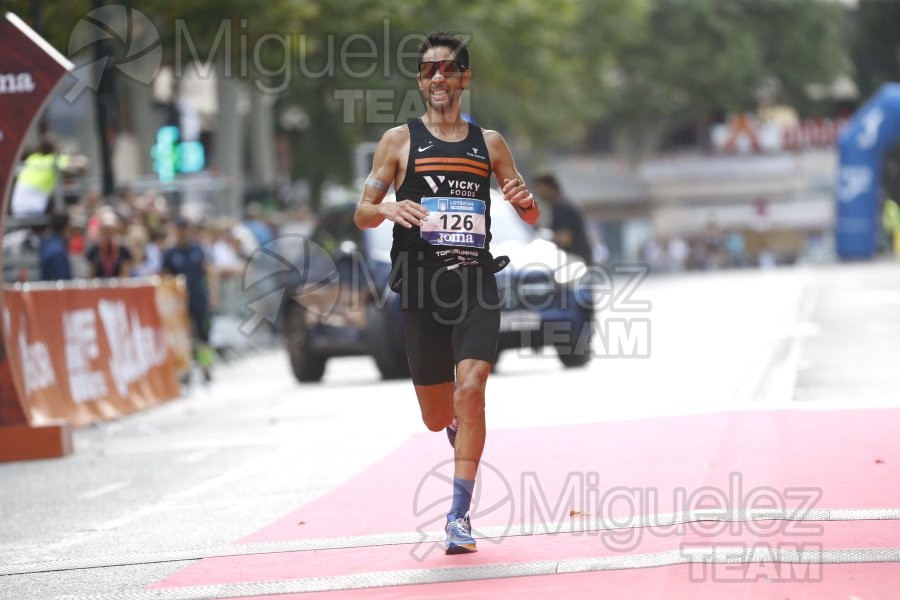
x: 455, y: 179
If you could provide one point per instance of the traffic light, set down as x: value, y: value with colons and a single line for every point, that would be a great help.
x: 171, y: 156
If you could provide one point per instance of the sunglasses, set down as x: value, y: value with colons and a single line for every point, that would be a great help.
x: 447, y: 67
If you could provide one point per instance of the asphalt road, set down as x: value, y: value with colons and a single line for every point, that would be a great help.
x: 231, y: 457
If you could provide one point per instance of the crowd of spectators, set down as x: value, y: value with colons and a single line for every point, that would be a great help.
x: 130, y: 236
x: 712, y: 249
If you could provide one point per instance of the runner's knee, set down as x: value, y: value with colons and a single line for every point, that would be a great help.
x: 469, y: 400
x: 434, y: 423
x: 436, y: 404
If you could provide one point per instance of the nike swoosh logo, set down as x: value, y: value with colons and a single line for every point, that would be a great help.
x: 421, y: 149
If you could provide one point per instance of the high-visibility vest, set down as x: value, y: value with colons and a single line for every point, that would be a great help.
x: 890, y: 215
x: 39, y: 170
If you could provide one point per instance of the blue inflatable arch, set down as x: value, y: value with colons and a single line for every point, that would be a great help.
x: 872, y: 131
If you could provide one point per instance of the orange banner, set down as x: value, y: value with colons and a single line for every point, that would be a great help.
x: 171, y: 300
x: 86, y: 354
x: 10, y: 409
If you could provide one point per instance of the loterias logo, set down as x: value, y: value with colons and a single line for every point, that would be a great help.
x: 16, y: 83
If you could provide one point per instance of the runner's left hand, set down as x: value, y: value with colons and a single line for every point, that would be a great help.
x: 516, y: 193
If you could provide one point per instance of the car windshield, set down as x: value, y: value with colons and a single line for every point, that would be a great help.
x: 506, y: 226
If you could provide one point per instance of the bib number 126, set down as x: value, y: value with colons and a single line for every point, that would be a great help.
x: 457, y: 222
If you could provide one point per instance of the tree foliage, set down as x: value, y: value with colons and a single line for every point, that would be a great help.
x: 543, y: 70
x: 876, y: 44
x: 693, y: 59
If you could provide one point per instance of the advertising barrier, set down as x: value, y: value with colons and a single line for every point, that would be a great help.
x: 87, y: 352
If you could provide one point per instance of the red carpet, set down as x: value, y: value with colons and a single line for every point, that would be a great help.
x: 724, y: 461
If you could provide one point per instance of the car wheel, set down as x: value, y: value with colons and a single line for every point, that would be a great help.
x: 306, y: 365
x: 391, y: 364
x: 575, y: 349
x: 574, y: 360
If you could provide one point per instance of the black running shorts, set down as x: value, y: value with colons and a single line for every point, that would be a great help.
x: 462, y: 321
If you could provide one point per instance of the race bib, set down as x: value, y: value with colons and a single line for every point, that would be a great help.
x: 454, y: 222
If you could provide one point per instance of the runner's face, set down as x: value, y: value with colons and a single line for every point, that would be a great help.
x: 442, y: 90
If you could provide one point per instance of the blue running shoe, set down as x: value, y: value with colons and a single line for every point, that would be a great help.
x: 459, y: 537
x: 452, y: 428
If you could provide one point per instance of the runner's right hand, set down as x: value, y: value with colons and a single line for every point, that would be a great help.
x: 405, y: 212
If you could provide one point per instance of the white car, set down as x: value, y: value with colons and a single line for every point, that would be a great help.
x: 345, y: 307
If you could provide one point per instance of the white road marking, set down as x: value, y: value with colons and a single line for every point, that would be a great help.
x: 102, y: 491
x: 243, y: 470
x: 195, y: 457
x: 702, y: 555
x: 783, y: 378
x: 497, y: 533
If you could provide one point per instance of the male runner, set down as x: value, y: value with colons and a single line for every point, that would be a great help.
x: 441, y: 166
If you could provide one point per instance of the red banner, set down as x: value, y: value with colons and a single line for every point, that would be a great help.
x: 29, y: 70
x: 86, y: 354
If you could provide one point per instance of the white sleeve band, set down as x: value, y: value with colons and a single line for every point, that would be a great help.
x: 378, y: 185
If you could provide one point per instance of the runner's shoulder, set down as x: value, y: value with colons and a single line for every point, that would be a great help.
x: 396, y: 136
x: 493, y: 137
x: 395, y: 142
